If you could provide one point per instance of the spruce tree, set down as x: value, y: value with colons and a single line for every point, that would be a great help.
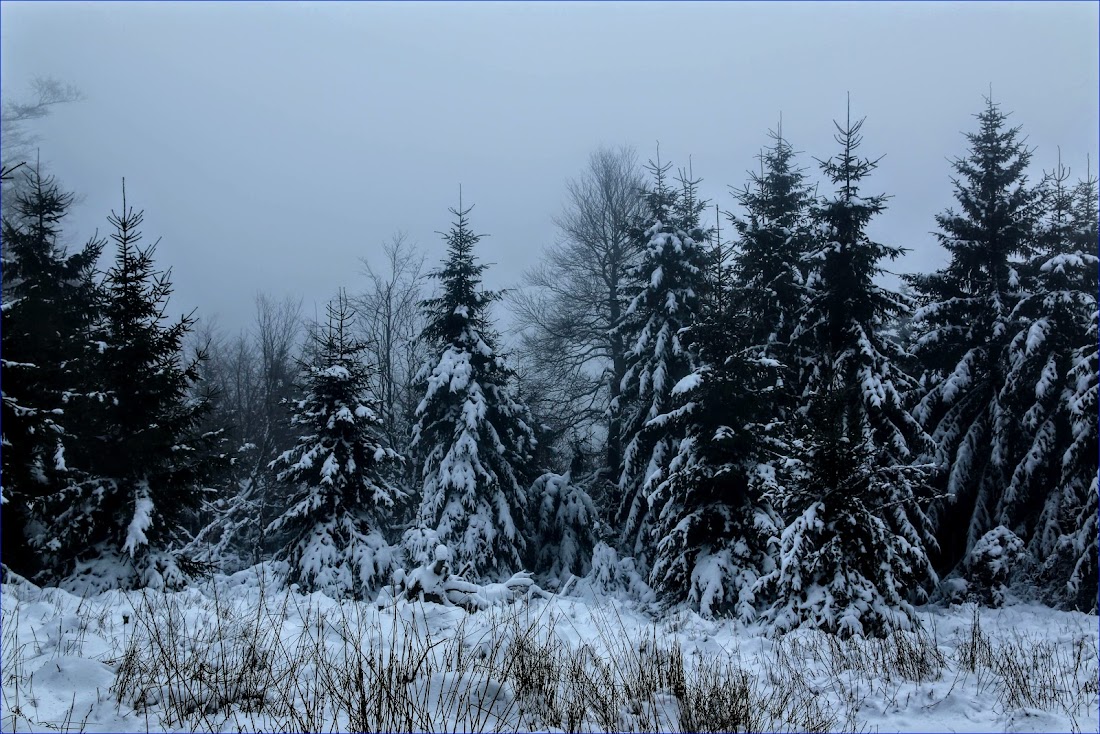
x: 713, y: 526
x: 769, y: 263
x: 856, y: 542
x: 564, y: 527
x: 1079, y: 478
x: 1071, y: 570
x: 338, y: 474
x: 850, y: 558
x: 472, y: 440
x: 668, y: 288
x: 142, y: 448
x: 1052, y: 321
x: 50, y: 302
x: 964, y: 325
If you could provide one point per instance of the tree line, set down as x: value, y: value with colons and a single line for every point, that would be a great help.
x: 751, y: 425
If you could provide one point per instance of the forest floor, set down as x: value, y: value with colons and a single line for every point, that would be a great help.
x: 237, y: 653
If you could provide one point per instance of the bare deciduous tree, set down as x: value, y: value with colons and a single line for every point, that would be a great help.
x: 576, y: 295
x: 390, y: 320
x: 252, y: 375
x: 17, y: 140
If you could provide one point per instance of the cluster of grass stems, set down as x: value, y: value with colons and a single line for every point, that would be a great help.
x: 196, y: 662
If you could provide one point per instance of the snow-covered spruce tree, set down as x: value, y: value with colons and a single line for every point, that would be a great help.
x: 668, y: 287
x: 564, y: 527
x: 1079, y: 477
x: 842, y: 565
x: 339, y: 496
x: 1071, y: 570
x: 769, y: 261
x: 50, y: 302
x: 1052, y: 321
x: 856, y: 542
x: 142, y: 449
x: 714, y: 525
x: 963, y: 327
x: 472, y: 440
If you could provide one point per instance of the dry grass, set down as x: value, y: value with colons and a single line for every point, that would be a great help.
x: 195, y: 662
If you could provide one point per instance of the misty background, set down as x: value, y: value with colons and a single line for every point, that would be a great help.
x: 274, y: 145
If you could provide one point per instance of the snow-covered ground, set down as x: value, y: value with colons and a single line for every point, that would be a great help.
x: 241, y: 654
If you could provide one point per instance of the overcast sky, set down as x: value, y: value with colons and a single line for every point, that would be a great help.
x: 273, y: 145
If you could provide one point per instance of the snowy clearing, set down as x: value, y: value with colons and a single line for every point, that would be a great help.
x: 242, y: 654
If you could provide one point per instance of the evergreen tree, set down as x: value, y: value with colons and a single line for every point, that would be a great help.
x: 144, y: 454
x: 843, y: 566
x: 1079, y: 477
x: 339, y: 492
x: 965, y: 324
x: 770, y: 261
x: 714, y: 526
x: 1052, y: 321
x: 856, y: 543
x: 50, y: 301
x: 565, y: 527
x: 668, y: 287
x: 1072, y: 568
x: 473, y: 440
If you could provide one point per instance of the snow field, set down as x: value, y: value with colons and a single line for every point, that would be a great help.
x: 242, y: 653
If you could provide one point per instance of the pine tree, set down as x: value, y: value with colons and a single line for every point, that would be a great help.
x: 668, y: 289
x: 849, y: 556
x: 856, y: 541
x: 966, y: 322
x: 564, y: 527
x: 472, y: 440
x: 1080, y: 477
x: 770, y: 261
x: 145, y: 457
x: 340, y: 494
x: 1052, y: 321
x: 1072, y: 568
x: 50, y: 301
x: 714, y: 526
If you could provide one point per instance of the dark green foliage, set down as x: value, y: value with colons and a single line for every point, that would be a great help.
x: 850, y: 560
x: 339, y: 495
x: 473, y: 440
x: 50, y: 302
x: 145, y: 457
x: 965, y: 323
x: 1051, y: 321
x: 668, y: 289
x: 770, y: 262
x: 856, y: 540
x: 713, y: 525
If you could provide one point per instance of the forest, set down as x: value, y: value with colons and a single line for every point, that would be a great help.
x: 721, y: 413
x: 752, y: 419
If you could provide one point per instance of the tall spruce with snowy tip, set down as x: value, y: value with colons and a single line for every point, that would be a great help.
x: 50, y: 302
x: 669, y: 285
x: 1066, y: 537
x: 964, y: 324
x: 857, y: 540
x: 472, y: 439
x: 770, y: 262
x: 1052, y: 321
x: 143, y: 450
x: 338, y: 474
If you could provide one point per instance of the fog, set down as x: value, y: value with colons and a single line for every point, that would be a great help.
x: 273, y: 145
